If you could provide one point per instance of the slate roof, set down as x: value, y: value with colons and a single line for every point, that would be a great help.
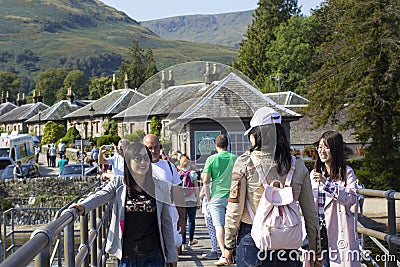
x: 172, y: 100
x: 110, y: 104
x: 58, y: 111
x: 288, y: 98
x: 302, y: 134
x: 6, y: 107
x: 22, y: 113
x: 230, y: 97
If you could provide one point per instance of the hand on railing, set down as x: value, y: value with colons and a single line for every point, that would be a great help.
x: 79, y: 207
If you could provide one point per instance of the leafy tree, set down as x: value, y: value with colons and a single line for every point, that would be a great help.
x: 11, y: 83
x: 291, y: 54
x: 139, y: 66
x: 52, y: 132
x: 155, y: 126
x: 99, y: 87
x: 75, y: 80
x: 49, y: 82
x: 358, y: 84
x: 252, y: 59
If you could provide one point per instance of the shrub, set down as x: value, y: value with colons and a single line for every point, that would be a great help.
x: 107, y: 140
x: 136, y: 136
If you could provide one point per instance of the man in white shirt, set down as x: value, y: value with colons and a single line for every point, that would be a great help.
x: 116, y: 161
x: 17, y: 171
x: 166, y: 171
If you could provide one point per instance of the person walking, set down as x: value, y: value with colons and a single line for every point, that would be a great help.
x: 335, y: 191
x: 37, y: 153
x: 190, y: 188
x: 270, y: 147
x: 61, y: 148
x: 216, y: 178
x: 53, y: 155
x: 48, y: 156
x: 141, y: 231
x: 62, y: 162
x: 95, y: 153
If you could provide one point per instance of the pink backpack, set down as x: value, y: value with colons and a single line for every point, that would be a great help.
x: 277, y: 222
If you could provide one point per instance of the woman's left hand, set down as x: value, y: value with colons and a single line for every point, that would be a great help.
x: 228, y: 254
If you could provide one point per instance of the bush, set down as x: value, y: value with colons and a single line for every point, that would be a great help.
x: 107, y: 140
x: 136, y: 136
x: 71, y: 135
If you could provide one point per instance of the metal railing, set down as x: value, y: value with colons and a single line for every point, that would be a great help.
x: 92, y: 242
x: 391, y: 238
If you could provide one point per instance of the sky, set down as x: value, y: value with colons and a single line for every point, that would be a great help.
x: 142, y: 10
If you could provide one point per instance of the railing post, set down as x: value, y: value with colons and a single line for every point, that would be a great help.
x: 391, y: 227
x: 84, y: 231
x: 69, y: 246
x: 93, y: 249
x: 43, y: 258
x: 100, y: 237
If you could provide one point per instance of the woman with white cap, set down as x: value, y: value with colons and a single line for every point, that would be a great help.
x: 271, y: 148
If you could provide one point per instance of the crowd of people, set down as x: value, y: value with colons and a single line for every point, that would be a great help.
x: 166, y: 193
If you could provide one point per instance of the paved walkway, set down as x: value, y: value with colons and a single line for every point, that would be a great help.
x: 46, y: 171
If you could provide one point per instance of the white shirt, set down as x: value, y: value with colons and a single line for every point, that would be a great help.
x: 117, y: 163
x: 162, y: 171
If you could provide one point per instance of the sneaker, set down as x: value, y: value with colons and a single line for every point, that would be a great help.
x: 220, y: 262
x: 211, y: 255
x: 184, y: 247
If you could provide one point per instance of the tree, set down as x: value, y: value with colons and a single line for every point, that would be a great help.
x: 291, y: 54
x: 99, y: 87
x: 111, y: 128
x: 139, y: 66
x: 358, y: 85
x: 52, y: 132
x: 10, y: 83
x: 49, y: 82
x: 155, y: 126
x: 75, y: 80
x: 252, y: 59
x: 71, y: 135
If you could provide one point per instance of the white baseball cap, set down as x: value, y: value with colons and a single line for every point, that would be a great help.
x: 264, y: 116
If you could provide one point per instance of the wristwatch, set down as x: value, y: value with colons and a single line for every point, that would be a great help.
x: 225, y: 247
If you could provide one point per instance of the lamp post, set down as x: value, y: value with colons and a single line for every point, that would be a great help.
x: 91, y: 114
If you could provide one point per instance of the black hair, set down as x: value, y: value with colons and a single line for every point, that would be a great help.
x: 147, y: 184
x: 333, y: 140
x: 273, y: 137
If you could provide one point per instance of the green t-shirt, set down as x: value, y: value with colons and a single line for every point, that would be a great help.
x: 220, y: 166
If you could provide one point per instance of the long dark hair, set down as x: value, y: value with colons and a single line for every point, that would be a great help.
x: 333, y: 140
x: 147, y: 184
x: 273, y: 137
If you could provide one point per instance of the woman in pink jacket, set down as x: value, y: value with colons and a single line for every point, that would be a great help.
x: 335, y: 191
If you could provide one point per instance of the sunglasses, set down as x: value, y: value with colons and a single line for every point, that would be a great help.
x: 138, y: 158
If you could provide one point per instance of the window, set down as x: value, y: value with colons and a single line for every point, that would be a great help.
x: 238, y: 142
x: 131, y: 128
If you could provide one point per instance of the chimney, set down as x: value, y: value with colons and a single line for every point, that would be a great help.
x: 113, y: 83
x: 215, y: 72
x: 207, y: 74
x: 18, y: 101
x: 171, y: 81
x: 34, y: 96
x: 70, y: 95
x: 24, y: 100
x: 2, y: 100
x: 126, y: 81
x: 164, y: 82
x: 39, y: 97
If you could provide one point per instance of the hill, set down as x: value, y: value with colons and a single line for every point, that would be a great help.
x: 85, y: 34
x: 220, y: 29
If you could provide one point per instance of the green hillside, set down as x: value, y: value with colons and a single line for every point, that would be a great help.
x: 87, y: 34
x: 221, y: 29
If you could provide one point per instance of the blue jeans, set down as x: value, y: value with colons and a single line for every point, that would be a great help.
x: 247, y: 254
x: 191, y: 218
x: 154, y: 260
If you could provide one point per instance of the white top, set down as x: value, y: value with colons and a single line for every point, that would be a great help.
x: 61, y: 147
x: 162, y: 171
x: 117, y: 163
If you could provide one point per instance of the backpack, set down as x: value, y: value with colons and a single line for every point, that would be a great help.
x: 187, y: 184
x: 277, y: 222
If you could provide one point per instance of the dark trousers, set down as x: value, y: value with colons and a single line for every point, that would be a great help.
x: 191, y: 218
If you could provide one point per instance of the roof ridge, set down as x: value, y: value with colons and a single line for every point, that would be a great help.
x: 118, y: 101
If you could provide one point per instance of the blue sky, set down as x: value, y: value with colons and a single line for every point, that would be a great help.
x: 142, y: 10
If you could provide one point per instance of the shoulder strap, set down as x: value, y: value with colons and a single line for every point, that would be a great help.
x: 259, y: 168
x: 291, y: 171
x: 170, y: 167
